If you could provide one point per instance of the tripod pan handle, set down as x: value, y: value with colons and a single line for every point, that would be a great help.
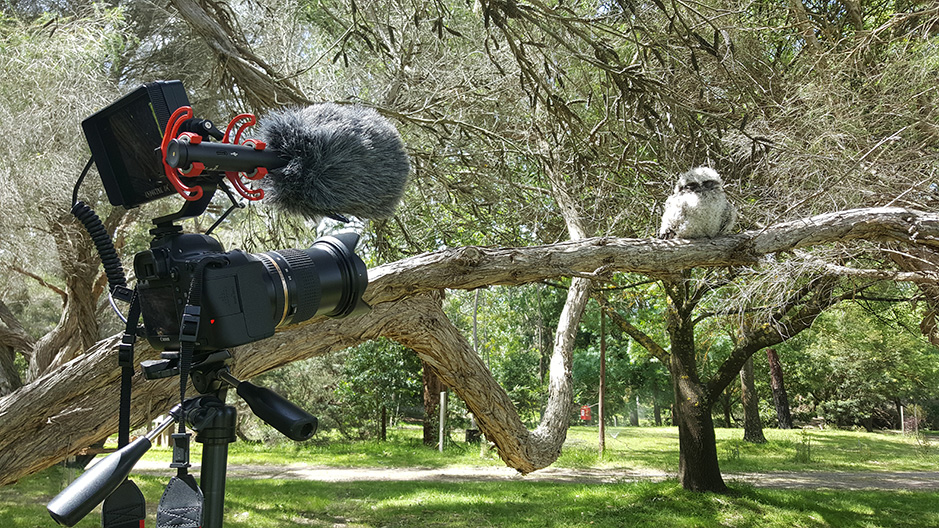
x: 94, y: 485
x: 278, y: 412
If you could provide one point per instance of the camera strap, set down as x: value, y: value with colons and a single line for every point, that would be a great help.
x: 181, y: 504
x: 125, y: 358
x: 126, y: 507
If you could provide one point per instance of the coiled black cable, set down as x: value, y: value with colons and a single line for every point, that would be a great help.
x: 99, y: 235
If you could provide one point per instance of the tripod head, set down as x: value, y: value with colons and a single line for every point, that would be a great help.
x: 211, y: 375
x: 207, y: 414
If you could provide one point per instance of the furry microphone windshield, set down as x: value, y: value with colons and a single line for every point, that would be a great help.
x: 341, y: 160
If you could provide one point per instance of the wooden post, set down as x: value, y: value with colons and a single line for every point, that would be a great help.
x: 443, y: 417
x: 600, y: 409
x: 383, y: 432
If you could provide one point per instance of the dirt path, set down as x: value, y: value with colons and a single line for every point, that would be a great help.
x: 917, y: 481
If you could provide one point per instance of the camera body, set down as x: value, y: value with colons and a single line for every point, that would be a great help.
x: 229, y: 299
x: 244, y: 296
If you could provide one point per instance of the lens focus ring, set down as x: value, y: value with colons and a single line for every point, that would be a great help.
x: 306, y: 291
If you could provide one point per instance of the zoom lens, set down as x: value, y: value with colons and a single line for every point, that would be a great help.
x: 327, y: 278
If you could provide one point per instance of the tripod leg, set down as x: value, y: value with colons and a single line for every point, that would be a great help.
x: 214, y: 423
x: 214, y: 467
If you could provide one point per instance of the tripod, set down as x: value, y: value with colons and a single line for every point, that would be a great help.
x: 214, y: 423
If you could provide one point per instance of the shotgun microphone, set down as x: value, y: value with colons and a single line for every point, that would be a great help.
x: 340, y: 160
x: 322, y: 160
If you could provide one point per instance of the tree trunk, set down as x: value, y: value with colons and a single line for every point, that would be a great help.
x: 868, y: 422
x: 432, y: 389
x: 802, y: 23
x: 752, y: 425
x: 698, y: 468
x: 656, y: 408
x: 725, y: 406
x: 855, y: 15
x: 780, y: 398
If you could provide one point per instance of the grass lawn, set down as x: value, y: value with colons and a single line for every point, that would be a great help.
x: 627, y: 448
x: 792, y: 450
x: 282, y: 503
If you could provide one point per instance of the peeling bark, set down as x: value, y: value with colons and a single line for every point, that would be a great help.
x: 474, y: 267
x: 262, y: 85
x: 77, y: 329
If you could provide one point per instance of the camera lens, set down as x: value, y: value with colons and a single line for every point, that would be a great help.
x: 327, y: 278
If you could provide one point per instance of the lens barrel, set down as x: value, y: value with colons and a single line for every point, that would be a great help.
x: 327, y: 278
x: 245, y: 296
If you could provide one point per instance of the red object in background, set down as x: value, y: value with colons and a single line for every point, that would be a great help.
x: 585, y: 412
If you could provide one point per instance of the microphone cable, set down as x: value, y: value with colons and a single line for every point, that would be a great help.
x: 117, y: 281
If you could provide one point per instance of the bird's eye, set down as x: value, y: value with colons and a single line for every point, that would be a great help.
x: 691, y: 186
x: 710, y: 184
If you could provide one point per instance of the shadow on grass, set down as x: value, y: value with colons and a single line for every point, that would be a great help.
x: 508, y: 503
x: 529, y: 504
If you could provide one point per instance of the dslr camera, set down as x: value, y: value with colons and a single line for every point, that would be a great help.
x: 189, y: 287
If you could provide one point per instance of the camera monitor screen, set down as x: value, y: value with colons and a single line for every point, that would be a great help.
x: 125, y: 142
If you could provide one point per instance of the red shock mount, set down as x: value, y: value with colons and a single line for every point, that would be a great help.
x: 232, y: 136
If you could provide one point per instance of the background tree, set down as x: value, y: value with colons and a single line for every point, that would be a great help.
x: 859, y: 363
x: 378, y: 379
x: 752, y: 424
x: 778, y: 387
x: 45, y: 246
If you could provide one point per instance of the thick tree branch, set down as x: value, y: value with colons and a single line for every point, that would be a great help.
x: 473, y: 267
x: 552, y: 431
x: 262, y: 85
x: 42, y: 282
x: 808, y: 303
x: 12, y: 333
x: 922, y: 262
